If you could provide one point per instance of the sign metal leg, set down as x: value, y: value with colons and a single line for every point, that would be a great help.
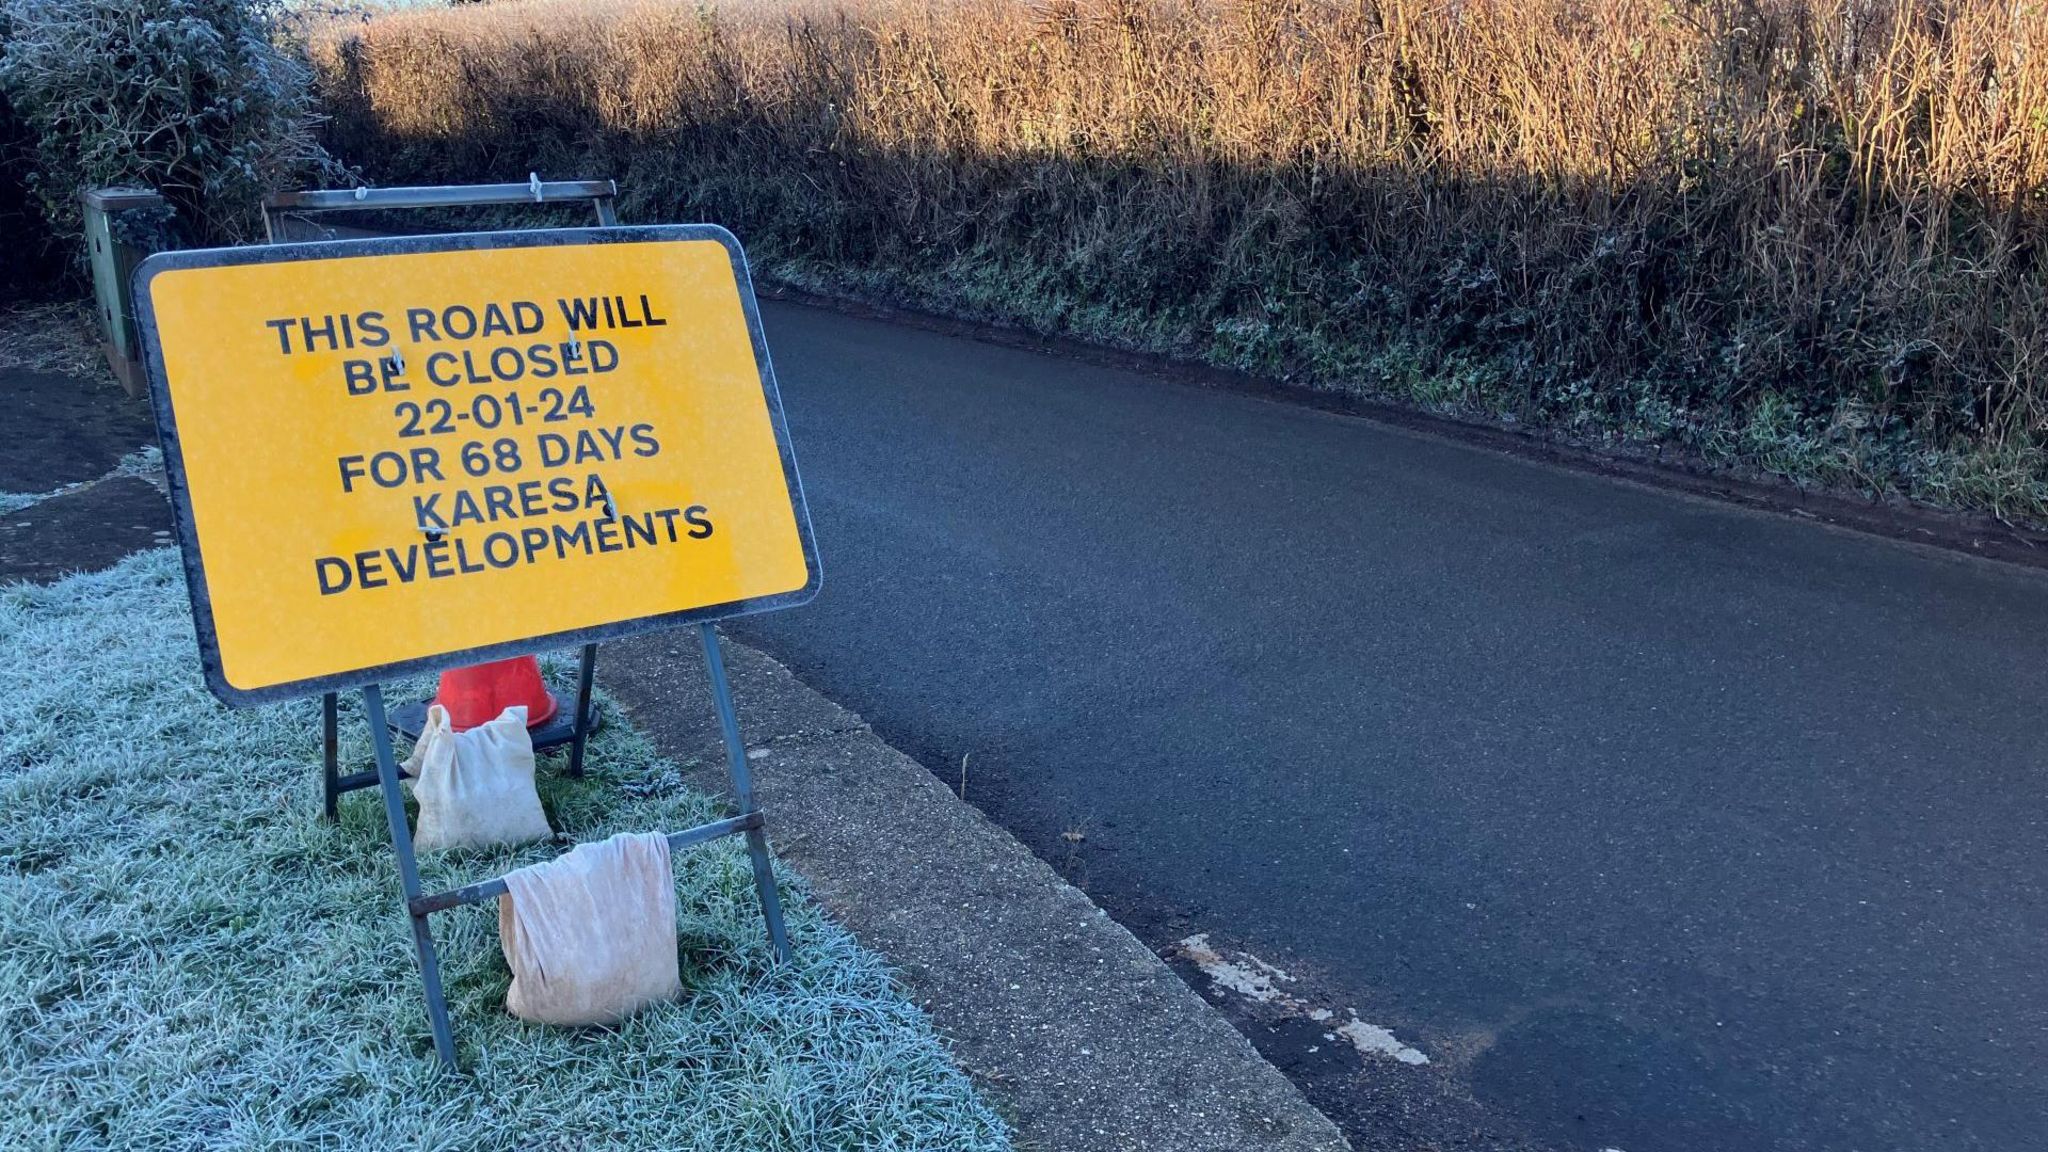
x: 330, y: 749
x: 585, y: 674
x: 409, y: 875
x: 743, y: 790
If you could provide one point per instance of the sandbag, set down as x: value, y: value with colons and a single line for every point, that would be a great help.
x: 475, y: 788
x: 591, y: 935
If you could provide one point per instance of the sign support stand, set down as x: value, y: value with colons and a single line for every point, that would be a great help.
x: 419, y: 903
x: 409, y: 874
x: 743, y: 789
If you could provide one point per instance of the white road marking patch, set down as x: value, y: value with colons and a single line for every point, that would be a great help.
x: 1275, y: 973
x: 1242, y: 979
x: 1253, y: 979
x: 1372, y: 1039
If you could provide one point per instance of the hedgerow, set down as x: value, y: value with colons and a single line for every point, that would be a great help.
x: 1799, y: 236
x: 203, y: 100
x: 31, y: 260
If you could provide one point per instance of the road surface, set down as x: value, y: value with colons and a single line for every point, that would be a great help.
x: 1650, y: 824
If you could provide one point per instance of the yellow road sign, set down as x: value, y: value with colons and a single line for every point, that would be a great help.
x: 398, y: 454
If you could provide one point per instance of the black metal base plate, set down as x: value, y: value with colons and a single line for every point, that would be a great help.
x: 408, y: 719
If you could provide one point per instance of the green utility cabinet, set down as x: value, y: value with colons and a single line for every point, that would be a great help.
x: 118, y: 225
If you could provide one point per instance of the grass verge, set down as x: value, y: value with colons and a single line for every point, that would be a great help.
x: 191, y: 958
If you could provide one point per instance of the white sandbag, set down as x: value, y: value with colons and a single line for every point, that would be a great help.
x: 475, y: 788
x: 591, y: 935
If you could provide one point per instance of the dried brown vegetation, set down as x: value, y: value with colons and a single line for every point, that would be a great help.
x: 1799, y: 235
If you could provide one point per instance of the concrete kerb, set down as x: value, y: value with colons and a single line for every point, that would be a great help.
x: 1086, y: 1037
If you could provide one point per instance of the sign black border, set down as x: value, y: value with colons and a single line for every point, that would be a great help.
x: 181, y: 497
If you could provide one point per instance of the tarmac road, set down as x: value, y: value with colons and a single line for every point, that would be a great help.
x: 1652, y: 824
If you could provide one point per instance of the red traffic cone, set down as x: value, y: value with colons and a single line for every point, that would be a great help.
x: 479, y: 693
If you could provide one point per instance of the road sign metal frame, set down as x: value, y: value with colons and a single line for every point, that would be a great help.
x: 420, y: 904
x: 600, y: 194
